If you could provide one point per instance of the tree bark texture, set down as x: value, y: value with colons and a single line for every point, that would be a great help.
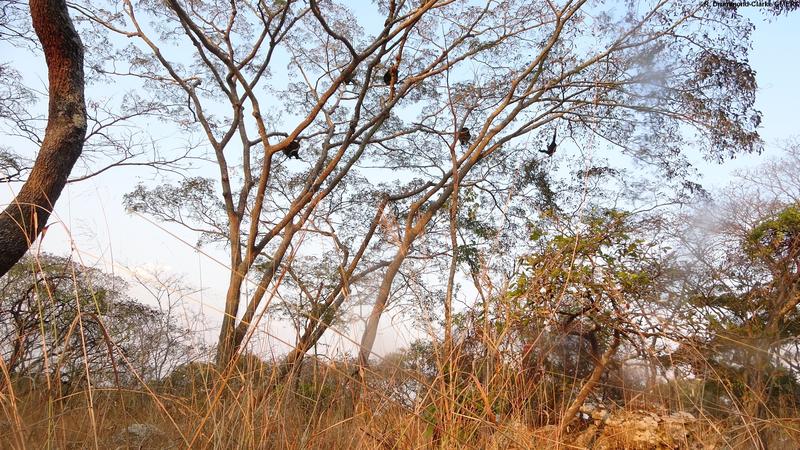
x: 25, y: 217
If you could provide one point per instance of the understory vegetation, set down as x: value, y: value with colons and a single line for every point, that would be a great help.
x: 507, y: 195
x: 617, y: 330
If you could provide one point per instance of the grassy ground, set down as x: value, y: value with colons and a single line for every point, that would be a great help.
x: 198, y: 408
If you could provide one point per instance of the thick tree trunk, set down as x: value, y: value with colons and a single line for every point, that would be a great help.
x: 226, y: 344
x: 411, y: 233
x: 371, y: 330
x: 23, y: 219
x: 232, y: 335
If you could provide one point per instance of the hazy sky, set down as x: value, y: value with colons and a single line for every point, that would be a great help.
x: 91, y: 221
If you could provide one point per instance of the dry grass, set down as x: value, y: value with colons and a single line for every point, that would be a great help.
x: 487, y: 394
x: 317, y: 410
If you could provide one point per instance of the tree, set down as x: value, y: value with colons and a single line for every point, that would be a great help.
x: 25, y: 218
x: 505, y: 71
x: 63, y: 320
x: 51, y: 318
x: 591, y: 286
x: 14, y: 96
x: 741, y: 311
x: 160, y: 335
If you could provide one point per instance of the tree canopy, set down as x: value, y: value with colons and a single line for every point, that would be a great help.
x: 511, y: 173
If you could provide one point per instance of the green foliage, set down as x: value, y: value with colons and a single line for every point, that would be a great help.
x: 777, y: 238
x: 469, y: 255
x: 603, y: 251
x: 53, y: 307
x: 59, y: 317
x: 751, y: 313
x: 534, y: 173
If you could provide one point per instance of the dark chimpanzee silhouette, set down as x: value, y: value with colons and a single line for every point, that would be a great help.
x: 464, y: 136
x: 292, y: 150
x: 390, y: 77
x: 551, y: 148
